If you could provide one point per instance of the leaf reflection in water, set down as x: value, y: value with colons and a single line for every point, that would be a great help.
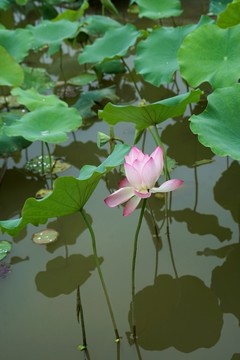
x: 183, y: 313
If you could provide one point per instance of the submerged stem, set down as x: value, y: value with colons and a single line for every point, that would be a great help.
x: 94, y: 246
x: 168, y: 236
x: 134, y: 267
x: 79, y: 309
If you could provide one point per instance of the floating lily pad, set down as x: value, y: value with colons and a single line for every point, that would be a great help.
x: 44, y: 237
x: 44, y: 165
x: 33, y: 100
x: 82, y: 79
x: 40, y: 194
x: 48, y: 124
x: 110, y: 67
x: 10, y: 144
x: 5, y: 248
x: 37, y: 78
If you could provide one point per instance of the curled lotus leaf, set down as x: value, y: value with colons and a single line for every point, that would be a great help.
x: 11, y: 73
x: 114, y: 44
x: 218, y: 126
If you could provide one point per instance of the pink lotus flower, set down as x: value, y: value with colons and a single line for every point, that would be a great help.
x: 142, y: 172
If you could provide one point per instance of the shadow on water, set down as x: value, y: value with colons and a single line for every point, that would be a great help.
x: 64, y: 275
x: 183, y: 313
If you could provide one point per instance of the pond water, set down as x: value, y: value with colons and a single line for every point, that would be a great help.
x: 187, y: 278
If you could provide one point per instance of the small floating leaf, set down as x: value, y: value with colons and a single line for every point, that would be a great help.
x: 42, y: 193
x: 81, y: 347
x: 5, y: 248
x: 82, y: 79
x: 44, y: 165
x: 46, y: 236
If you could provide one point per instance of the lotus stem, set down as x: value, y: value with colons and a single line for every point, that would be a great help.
x: 50, y: 163
x: 131, y: 75
x: 134, y: 332
x: 168, y: 236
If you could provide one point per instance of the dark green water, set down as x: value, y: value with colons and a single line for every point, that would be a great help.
x: 187, y: 280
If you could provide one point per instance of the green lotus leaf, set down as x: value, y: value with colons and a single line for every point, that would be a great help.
x: 110, y: 67
x: 4, y: 4
x: 33, y: 100
x: 113, y: 44
x: 5, y: 248
x: 82, y: 79
x: 155, y: 9
x: 73, y: 15
x: 11, y: 73
x: 36, y: 78
x: 53, y: 33
x: 17, y: 42
x: 144, y: 116
x: 211, y: 54
x: 218, y: 126
x: 230, y: 16
x: 48, y: 124
x: 69, y: 194
x: 217, y: 6
x: 22, y: 2
x: 107, y: 4
x: 88, y: 99
x: 10, y: 144
x: 155, y: 59
x: 98, y: 25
